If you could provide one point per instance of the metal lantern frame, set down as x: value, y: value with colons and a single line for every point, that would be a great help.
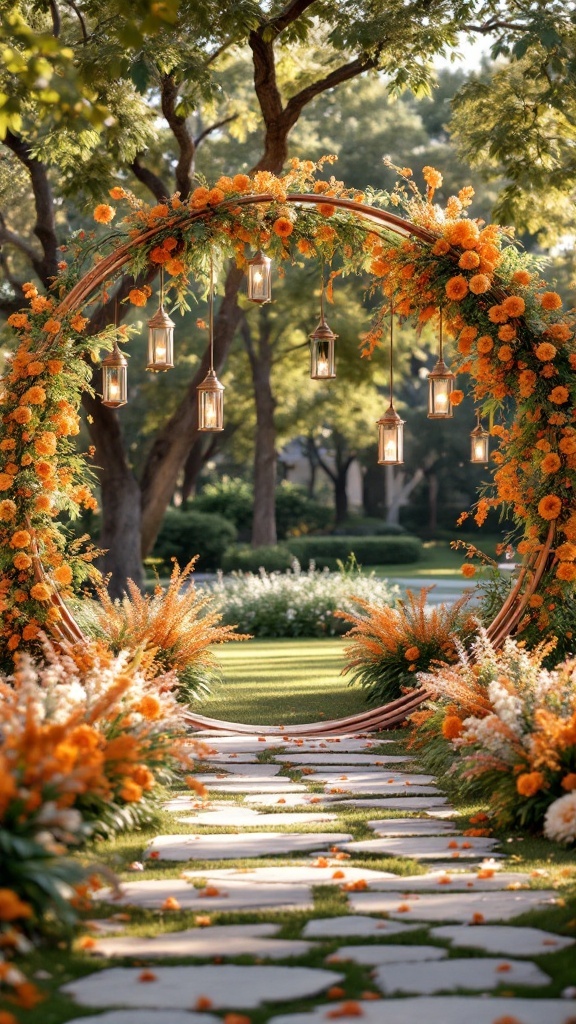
x: 479, y: 443
x: 259, y: 275
x: 322, y: 349
x: 160, y: 337
x: 115, y: 379
x: 211, y: 391
x: 391, y: 425
x: 440, y: 385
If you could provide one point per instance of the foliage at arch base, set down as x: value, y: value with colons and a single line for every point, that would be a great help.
x: 513, y: 340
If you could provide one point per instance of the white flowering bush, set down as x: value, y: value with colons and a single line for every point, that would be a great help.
x: 560, y: 820
x: 297, y: 602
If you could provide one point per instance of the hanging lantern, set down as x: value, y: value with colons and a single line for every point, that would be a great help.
x: 114, y: 379
x: 211, y: 391
x: 390, y: 425
x: 322, y: 355
x: 260, y: 278
x: 440, y: 387
x: 480, y: 442
x: 160, y: 337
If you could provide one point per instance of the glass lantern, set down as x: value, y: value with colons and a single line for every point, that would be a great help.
x: 440, y: 387
x: 479, y: 443
x: 210, y: 404
x: 390, y: 438
x: 160, y: 342
x: 322, y: 355
x: 260, y: 278
x: 114, y: 379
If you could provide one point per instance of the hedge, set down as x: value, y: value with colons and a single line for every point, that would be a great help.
x: 272, y: 558
x: 326, y: 552
x: 187, y: 533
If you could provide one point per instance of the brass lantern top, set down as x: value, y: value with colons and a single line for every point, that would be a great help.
x: 211, y: 382
x: 390, y: 418
x: 441, y: 372
x: 160, y: 319
x: 323, y: 331
x: 115, y: 359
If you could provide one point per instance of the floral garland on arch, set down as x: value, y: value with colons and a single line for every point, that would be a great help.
x: 512, y: 338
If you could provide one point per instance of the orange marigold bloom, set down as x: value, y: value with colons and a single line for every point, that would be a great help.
x: 40, y: 592
x: 78, y: 322
x: 559, y: 395
x: 412, y: 654
x: 468, y: 570
x: 103, y: 213
x: 326, y: 209
x: 550, y: 300
x: 149, y: 707
x: 283, y: 227
x: 117, y: 192
x: 137, y: 297
x: 159, y: 254
x: 43, y: 503
x: 215, y: 196
x: 55, y: 366
x: 171, y: 903
x: 175, y: 267
x: 457, y: 288
x: 19, y: 320
x: 568, y: 444
x: 441, y: 247
x: 432, y: 177
x: 545, y: 351
x: 469, y: 260
x: 566, y: 552
x: 199, y: 197
x: 559, y: 332
x: 34, y: 368
x: 22, y: 561
x: 33, y: 396
x: 514, y: 305
x: 485, y: 344
x: 45, y: 470
x: 479, y: 284
x: 497, y: 314
x: 12, y: 907
x: 505, y: 353
x: 8, y: 509
x: 451, y: 727
x: 131, y: 792
x: 566, y: 571
x: 569, y: 781
x: 507, y: 332
x: 529, y: 783
x: 45, y: 443
x: 549, y: 507
x: 20, y: 539
x: 521, y: 277
x: 306, y: 248
x: 456, y: 397
x: 550, y: 463
x: 6, y: 482
x: 241, y: 182
x: 63, y: 575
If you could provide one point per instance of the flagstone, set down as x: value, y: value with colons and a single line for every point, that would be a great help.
x: 348, y: 760
x: 426, y: 847
x: 219, y: 940
x: 472, y: 973
x: 502, y: 939
x: 357, y: 775
x: 237, y: 816
x: 355, y: 925
x: 306, y: 874
x: 250, y: 784
x: 230, y: 757
x: 175, y: 988
x: 255, y: 770
x: 379, y: 955
x: 231, y: 845
x: 234, y: 895
x: 460, y: 907
x: 342, y: 787
x: 285, y: 799
x: 452, y: 881
x: 410, y: 827
x: 446, y: 1010
x: 147, y: 1017
x: 442, y: 812
x: 404, y: 803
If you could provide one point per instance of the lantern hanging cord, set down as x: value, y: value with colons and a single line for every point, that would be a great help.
x: 161, y: 286
x: 211, y: 311
x: 391, y: 352
x: 322, y: 295
x: 441, y: 338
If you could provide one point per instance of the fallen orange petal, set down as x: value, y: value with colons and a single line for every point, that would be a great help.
x: 203, y: 1003
x: 146, y: 976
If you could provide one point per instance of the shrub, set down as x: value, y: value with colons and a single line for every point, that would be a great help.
x: 185, y: 534
x: 296, y: 512
x: 389, y: 645
x: 327, y: 552
x: 295, y: 603
x: 271, y: 558
x: 232, y: 499
x: 367, y: 526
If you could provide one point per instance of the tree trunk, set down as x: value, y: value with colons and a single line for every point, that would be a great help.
x: 432, y: 503
x: 120, y: 531
x: 265, y: 456
x: 341, y: 495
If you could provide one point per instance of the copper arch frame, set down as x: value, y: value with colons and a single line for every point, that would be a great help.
x: 529, y: 577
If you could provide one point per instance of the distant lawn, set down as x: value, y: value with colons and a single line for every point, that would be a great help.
x: 439, y: 560
x: 276, y: 682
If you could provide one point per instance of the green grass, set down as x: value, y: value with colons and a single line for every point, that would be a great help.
x: 439, y: 560
x: 275, y: 682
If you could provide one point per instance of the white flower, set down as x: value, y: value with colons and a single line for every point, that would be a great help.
x: 560, y: 819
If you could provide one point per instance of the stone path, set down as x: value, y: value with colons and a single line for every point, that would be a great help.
x: 334, y: 926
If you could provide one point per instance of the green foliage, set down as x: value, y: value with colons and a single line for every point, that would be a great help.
x: 234, y: 499
x: 230, y: 498
x: 39, y: 877
x: 327, y: 552
x: 243, y: 558
x: 185, y: 534
x: 367, y: 526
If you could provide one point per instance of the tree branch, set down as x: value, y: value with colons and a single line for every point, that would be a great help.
x: 80, y: 17
x: 10, y: 237
x: 342, y: 74
x: 56, y: 20
x: 45, y: 227
x: 290, y: 14
x: 181, y: 132
x: 151, y: 180
x: 213, y: 128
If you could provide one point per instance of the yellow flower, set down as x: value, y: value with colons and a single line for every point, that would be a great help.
x: 103, y: 214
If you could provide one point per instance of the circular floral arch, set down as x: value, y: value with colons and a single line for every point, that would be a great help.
x: 511, y: 338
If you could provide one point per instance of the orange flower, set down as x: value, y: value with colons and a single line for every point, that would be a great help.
x: 63, y: 575
x: 103, y: 214
x: 52, y: 326
x: 175, y: 267
x: 549, y: 507
x: 6, y: 482
x: 12, y: 907
x: 432, y: 177
x: 566, y: 571
x: 507, y: 332
x: 34, y: 396
x: 78, y: 322
x: 20, y: 539
x: 215, y: 196
x: 19, y: 320
x: 43, y: 503
x: 559, y: 395
x: 550, y: 300
x: 7, y: 509
x: 241, y: 182
x: 566, y: 552
x: 22, y: 415
x: 529, y: 783
x: 117, y: 192
x: 521, y: 277
x: 412, y: 654
x: 137, y: 297
x: 457, y: 288
x: 41, y: 592
x: 514, y: 305
x: 545, y: 351
x: 441, y: 247
x: 497, y: 314
x: 559, y: 332
x: 326, y: 209
x: 469, y: 260
x: 34, y: 368
x: 55, y: 366
x: 171, y: 903
x: 22, y: 561
x: 45, y: 443
x: 505, y: 353
x: 283, y: 227
x: 568, y: 444
x: 485, y: 344
x: 199, y: 197
x: 149, y: 707
x: 131, y: 792
x: 451, y: 727
x: 159, y: 254
x: 479, y: 284
x: 456, y: 397
x: 468, y: 570
x: 569, y: 781
x: 45, y: 470
x: 550, y: 463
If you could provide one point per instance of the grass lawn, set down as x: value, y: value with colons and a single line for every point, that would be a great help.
x: 439, y: 560
x: 271, y: 682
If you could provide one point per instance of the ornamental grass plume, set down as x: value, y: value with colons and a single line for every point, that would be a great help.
x: 389, y: 645
x: 176, y: 624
